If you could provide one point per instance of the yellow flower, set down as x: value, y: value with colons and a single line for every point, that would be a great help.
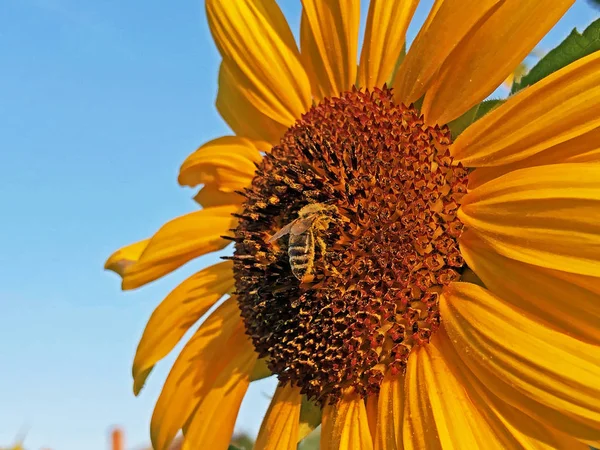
x: 444, y: 295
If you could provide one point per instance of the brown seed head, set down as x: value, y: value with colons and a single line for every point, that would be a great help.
x: 388, y: 253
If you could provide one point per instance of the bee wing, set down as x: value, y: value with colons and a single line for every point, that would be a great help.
x: 299, y: 226
x: 285, y: 230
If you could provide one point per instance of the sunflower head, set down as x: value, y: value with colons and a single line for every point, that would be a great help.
x: 377, y: 270
x: 410, y: 287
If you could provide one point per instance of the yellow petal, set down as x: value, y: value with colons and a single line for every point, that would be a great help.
x: 516, y: 429
x: 210, y: 196
x: 120, y: 260
x: 582, y: 149
x: 448, y: 23
x: 181, y: 309
x: 562, y: 107
x: 345, y: 425
x: 227, y: 162
x: 371, y: 403
x: 548, y: 216
x: 548, y: 375
x: 560, y: 300
x: 593, y: 444
x: 235, y: 106
x: 180, y: 241
x: 193, y: 373
x: 438, y: 412
x: 384, y: 40
x: 488, y: 54
x: 329, y: 43
x: 390, y: 413
x: 215, y: 416
x: 260, y: 51
x: 279, y: 429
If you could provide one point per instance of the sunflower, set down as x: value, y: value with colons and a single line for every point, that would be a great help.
x: 410, y: 287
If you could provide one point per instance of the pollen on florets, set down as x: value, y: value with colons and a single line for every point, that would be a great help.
x: 376, y: 282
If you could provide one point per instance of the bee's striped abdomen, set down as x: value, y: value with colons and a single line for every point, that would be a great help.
x: 301, y: 253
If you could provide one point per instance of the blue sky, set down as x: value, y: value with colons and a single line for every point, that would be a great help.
x: 100, y: 102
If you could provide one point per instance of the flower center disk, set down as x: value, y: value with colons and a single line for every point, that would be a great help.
x: 369, y: 195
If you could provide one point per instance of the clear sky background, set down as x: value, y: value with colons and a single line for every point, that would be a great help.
x: 100, y: 102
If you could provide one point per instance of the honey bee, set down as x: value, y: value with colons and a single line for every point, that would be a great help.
x: 304, y: 236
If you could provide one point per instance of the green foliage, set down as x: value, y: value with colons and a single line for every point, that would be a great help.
x: 241, y: 441
x: 312, y: 441
x: 310, y: 417
x: 457, y: 126
x: 575, y: 46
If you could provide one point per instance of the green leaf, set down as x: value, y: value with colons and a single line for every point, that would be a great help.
x: 457, y: 126
x: 261, y: 370
x: 310, y: 417
x: 311, y: 442
x: 486, y: 106
x: 233, y: 447
x: 575, y: 46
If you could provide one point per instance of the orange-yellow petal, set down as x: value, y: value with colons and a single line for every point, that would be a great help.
x: 564, y: 301
x: 548, y: 216
x: 329, y: 43
x: 371, y: 403
x: 516, y: 429
x: 214, y: 418
x: 345, y: 425
x: 593, y: 444
x: 438, y: 412
x: 448, y: 23
x: 228, y: 162
x: 260, y: 51
x: 548, y: 375
x: 180, y: 241
x: 279, y: 429
x: 384, y: 40
x: 562, y: 107
x: 181, y: 309
x: 390, y: 413
x: 194, y: 371
x: 242, y: 116
x: 120, y: 260
x: 582, y: 149
x: 210, y: 195
x: 488, y: 54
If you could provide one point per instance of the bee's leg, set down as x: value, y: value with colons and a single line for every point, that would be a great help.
x: 322, y: 246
